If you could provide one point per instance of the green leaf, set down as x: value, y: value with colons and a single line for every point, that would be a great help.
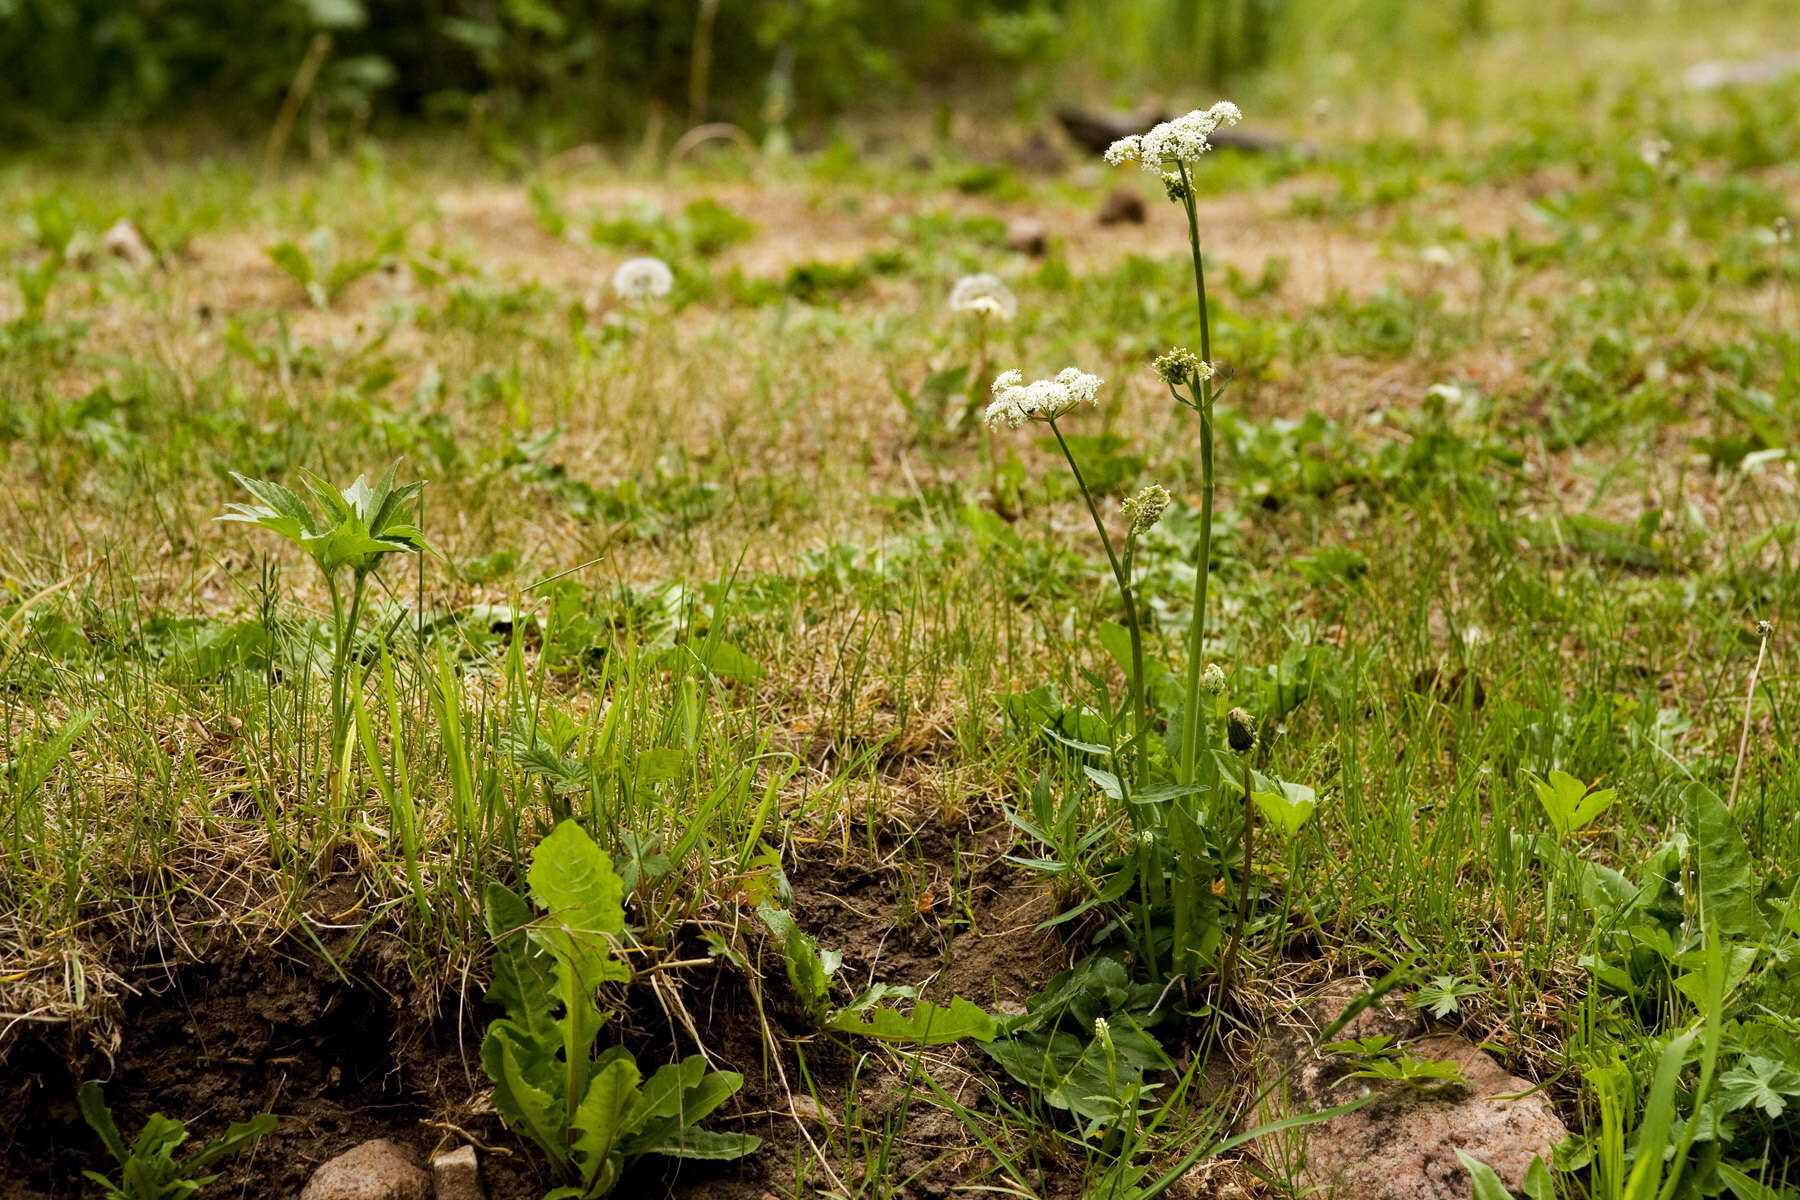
x: 527, y: 1108
x: 1568, y: 803
x: 599, y: 1121
x: 522, y: 969
x: 929, y: 1025
x: 1487, y: 1185
x: 1766, y: 1083
x: 574, y: 880
x: 92, y: 1103
x: 706, y: 1144
x: 1288, y: 811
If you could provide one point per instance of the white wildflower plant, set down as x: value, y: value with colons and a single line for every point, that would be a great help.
x: 984, y: 295
x: 1016, y: 402
x: 1182, y: 140
x: 643, y: 279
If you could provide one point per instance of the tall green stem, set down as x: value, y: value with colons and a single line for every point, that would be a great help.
x: 1191, y: 715
x: 1122, y: 576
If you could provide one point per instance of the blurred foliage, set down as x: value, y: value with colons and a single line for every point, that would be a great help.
x: 597, y: 66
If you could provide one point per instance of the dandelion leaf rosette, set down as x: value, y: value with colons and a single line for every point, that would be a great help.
x: 592, y: 1115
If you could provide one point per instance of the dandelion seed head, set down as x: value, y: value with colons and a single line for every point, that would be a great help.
x: 643, y: 279
x: 985, y: 295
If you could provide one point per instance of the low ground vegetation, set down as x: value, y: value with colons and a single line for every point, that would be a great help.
x: 720, y: 729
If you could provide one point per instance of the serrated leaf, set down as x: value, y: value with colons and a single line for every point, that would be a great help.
x: 573, y: 879
x: 599, y: 1121
x: 928, y: 1025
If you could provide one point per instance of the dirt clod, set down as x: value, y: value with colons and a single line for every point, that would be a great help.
x: 1403, y: 1144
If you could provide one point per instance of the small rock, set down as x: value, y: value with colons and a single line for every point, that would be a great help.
x: 1121, y: 206
x: 455, y: 1175
x: 1402, y: 1145
x: 124, y: 241
x: 1027, y: 236
x: 377, y: 1170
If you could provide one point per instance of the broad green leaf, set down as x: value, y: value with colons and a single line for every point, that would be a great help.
x: 1568, y: 803
x: 929, y: 1025
x: 525, y: 1107
x: 522, y: 975
x: 706, y: 1144
x: 599, y: 1122
x: 1288, y: 811
x: 573, y: 879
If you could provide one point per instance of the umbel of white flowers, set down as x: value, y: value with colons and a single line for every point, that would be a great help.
x: 1182, y: 140
x: 985, y: 295
x: 1016, y: 402
x: 643, y: 279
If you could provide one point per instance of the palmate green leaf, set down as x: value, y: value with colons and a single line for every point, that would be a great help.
x: 360, y: 524
x: 929, y: 1025
x: 1568, y: 803
x: 1766, y: 1083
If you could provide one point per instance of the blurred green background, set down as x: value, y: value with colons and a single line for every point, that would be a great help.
x: 568, y: 70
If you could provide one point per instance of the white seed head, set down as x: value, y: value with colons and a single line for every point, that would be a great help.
x: 1016, y: 402
x: 1147, y: 507
x: 1212, y: 679
x: 643, y: 279
x: 985, y: 295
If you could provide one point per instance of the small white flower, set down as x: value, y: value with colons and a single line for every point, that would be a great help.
x: 1016, y: 402
x: 1181, y: 365
x: 1125, y: 150
x: 1182, y: 140
x: 1437, y: 256
x: 643, y: 279
x: 1212, y: 679
x: 985, y: 295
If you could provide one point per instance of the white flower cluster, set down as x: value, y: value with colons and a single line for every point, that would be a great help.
x: 985, y: 295
x: 1016, y: 402
x: 1184, y: 139
x: 643, y: 279
x: 1181, y: 365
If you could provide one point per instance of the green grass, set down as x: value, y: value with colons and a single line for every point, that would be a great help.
x: 729, y: 580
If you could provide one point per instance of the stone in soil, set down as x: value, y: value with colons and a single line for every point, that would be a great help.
x: 377, y: 1170
x: 1403, y: 1144
x: 455, y: 1175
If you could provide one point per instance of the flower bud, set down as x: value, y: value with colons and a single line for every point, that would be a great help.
x: 1175, y: 185
x: 1240, y: 730
x: 1212, y: 679
x: 1146, y: 508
